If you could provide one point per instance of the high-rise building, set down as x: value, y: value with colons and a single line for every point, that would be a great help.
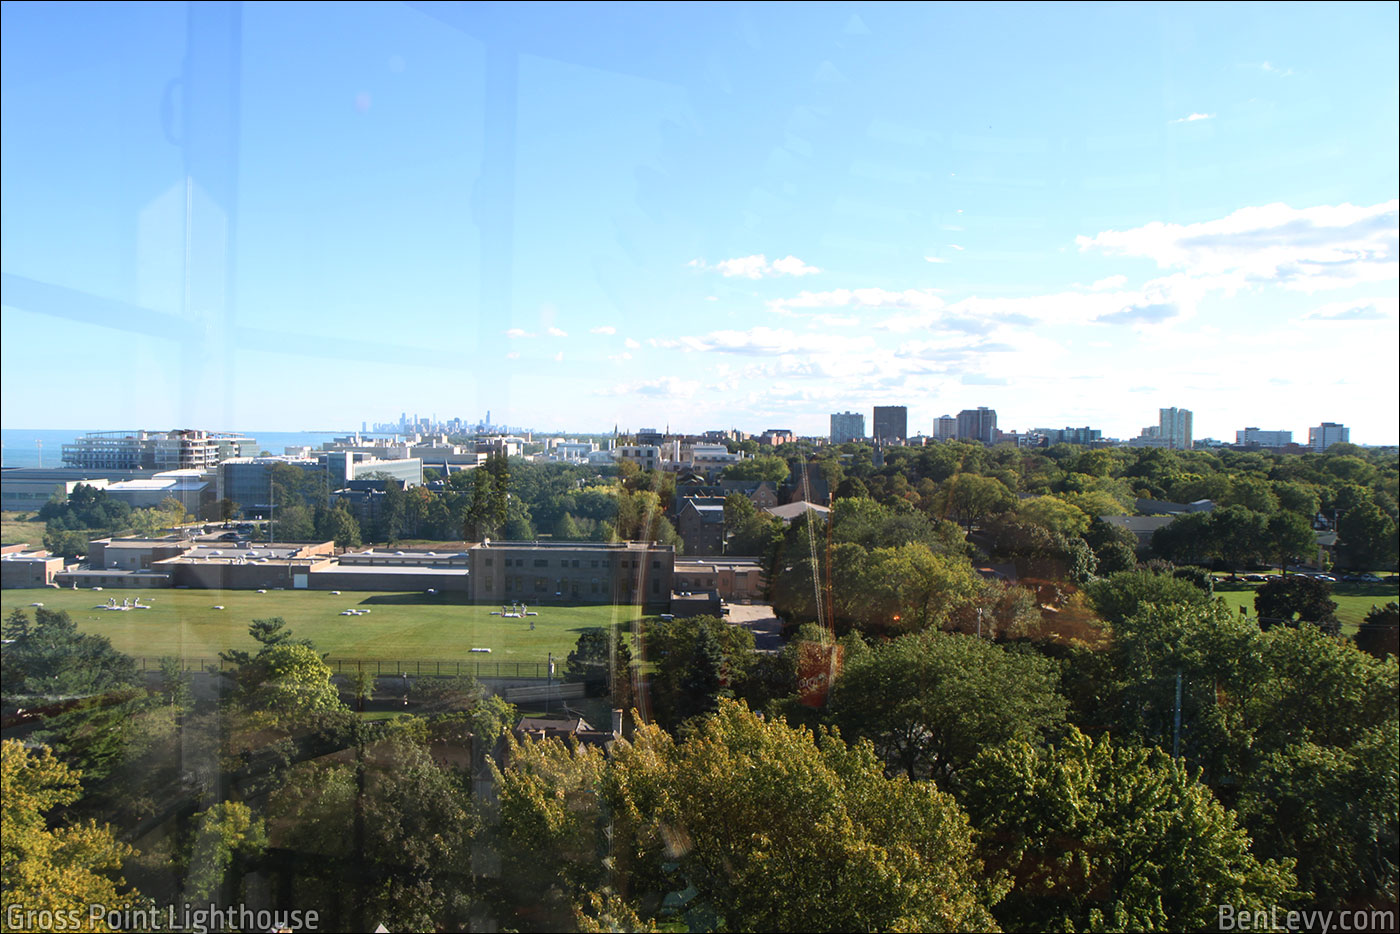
x: 1268, y: 439
x: 979, y: 424
x: 1327, y: 434
x: 891, y: 423
x: 1174, y: 425
x: 847, y: 426
x: 945, y: 428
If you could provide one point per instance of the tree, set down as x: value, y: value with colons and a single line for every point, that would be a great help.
x: 1290, y: 537
x: 1379, y: 632
x: 1099, y: 836
x: 930, y: 702
x: 292, y: 681
x: 1188, y: 539
x: 50, y: 866
x: 968, y: 498
x: 762, y: 467
x: 385, y: 837
x: 1297, y: 599
x: 671, y: 646
x: 1238, y: 535
x: 1055, y: 514
x: 1333, y: 809
x: 703, y: 681
x: 52, y: 657
x: 755, y: 825
x: 1366, y: 538
x: 590, y: 661
x: 221, y: 833
x: 1124, y: 594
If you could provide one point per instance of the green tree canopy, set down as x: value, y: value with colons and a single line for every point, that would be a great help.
x: 1102, y: 836
x: 930, y: 702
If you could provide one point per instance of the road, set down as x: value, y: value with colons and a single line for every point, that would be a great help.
x: 758, y: 619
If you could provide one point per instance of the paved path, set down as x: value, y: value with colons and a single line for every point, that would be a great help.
x: 758, y: 619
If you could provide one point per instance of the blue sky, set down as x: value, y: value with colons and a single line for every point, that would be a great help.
x: 285, y: 216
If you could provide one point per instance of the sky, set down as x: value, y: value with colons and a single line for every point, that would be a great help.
x: 578, y: 216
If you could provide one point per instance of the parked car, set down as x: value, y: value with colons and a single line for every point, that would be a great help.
x: 1325, y: 577
x: 1255, y: 578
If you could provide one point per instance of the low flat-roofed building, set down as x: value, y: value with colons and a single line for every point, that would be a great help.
x: 29, y: 489
x: 639, y: 573
x: 737, y: 580
x: 20, y: 567
x: 189, y: 488
x: 133, y: 554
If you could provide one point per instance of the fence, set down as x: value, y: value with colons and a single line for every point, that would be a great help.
x: 478, y: 668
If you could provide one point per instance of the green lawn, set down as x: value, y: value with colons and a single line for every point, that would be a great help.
x: 1353, y: 600
x: 399, y: 627
x: 14, y: 530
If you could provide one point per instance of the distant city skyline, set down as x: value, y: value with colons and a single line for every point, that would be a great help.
x: 709, y: 217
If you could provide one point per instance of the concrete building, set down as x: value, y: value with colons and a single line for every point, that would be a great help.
x: 1174, y: 425
x: 190, y: 488
x: 1327, y: 434
x: 28, y: 489
x: 248, y: 480
x: 183, y: 449
x: 572, y: 572
x: 847, y: 426
x: 979, y: 424
x: 736, y: 580
x: 891, y: 424
x: 945, y: 428
x: 1082, y: 436
x: 645, y: 456
x: 20, y: 567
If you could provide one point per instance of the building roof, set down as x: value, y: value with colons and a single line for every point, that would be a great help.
x: 790, y: 511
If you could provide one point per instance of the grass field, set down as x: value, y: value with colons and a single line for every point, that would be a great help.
x: 1353, y: 600
x: 400, y: 626
x: 14, y: 530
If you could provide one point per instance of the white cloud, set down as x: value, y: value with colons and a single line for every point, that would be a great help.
x: 1112, y: 282
x: 1305, y: 249
x: 556, y: 332
x: 934, y: 259
x: 619, y: 357
x: 757, y: 267
x: 559, y: 357
x: 914, y: 299
x: 513, y: 355
x: 667, y: 387
x: 1365, y: 309
x: 1272, y: 69
x: 956, y: 247
x: 605, y: 329
x: 518, y: 332
x: 1192, y: 118
x: 711, y: 298
x: 631, y: 344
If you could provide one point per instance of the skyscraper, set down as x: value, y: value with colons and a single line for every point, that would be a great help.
x: 891, y: 423
x: 979, y: 424
x: 1175, y: 425
x: 945, y: 428
x: 1327, y: 434
x: 847, y: 426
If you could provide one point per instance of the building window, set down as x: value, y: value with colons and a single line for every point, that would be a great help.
x: 490, y: 562
x: 541, y: 563
x: 656, y: 565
